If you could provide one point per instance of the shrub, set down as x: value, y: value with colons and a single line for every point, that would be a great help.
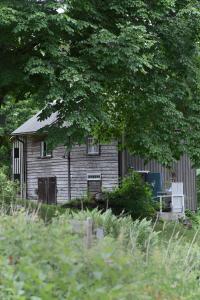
x: 133, y: 196
x: 82, y: 203
x: 194, y: 217
x: 8, y: 189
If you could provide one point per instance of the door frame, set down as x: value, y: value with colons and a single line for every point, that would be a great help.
x: 46, y: 187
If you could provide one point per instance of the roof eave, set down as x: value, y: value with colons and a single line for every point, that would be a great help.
x: 23, y: 133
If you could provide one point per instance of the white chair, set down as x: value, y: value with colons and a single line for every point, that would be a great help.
x: 177, y: 204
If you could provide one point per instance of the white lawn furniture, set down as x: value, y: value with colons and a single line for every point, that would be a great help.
x: 178, y: 204
x: 176, y: 198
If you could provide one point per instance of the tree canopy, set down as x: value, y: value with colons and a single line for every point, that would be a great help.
x: 110, y: 68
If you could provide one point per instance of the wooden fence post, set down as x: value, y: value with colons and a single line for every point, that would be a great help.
x: 89, y: 225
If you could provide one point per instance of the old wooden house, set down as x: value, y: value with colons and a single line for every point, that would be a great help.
x: 58, y: 176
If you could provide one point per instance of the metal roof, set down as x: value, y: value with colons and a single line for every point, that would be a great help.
x: 33, y: 124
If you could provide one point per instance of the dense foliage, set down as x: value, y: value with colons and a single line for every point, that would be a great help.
x: 133, y: 197
x: 50, y: 262
x: 109, y: 68
x: 8, y: 189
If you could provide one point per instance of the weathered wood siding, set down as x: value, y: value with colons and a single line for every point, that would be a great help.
x: 38, y: 167
x: 183, y: 170
x: 81, y: 164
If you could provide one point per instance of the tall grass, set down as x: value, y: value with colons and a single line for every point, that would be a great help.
x: 133, y: 261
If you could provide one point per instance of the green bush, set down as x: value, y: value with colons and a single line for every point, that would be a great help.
x: 133, y: 197
x: 8, y: 189
x: 82, y: 203
x: 194, y: 217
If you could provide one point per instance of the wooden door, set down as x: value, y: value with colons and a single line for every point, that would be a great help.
x: 52, y: 190
x: 42, y: 190
x: 47, y: 190
x: 94, y: 188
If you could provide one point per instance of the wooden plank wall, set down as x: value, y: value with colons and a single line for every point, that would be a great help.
x: 45, y: 167
x: 183, y: 170
x: 81, y: 164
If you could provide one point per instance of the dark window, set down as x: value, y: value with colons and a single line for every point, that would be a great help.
x: 154, y: 180
x: 16, y: 177
x: 45, y: 152
x: 93, y: 148
x: 16, y: 152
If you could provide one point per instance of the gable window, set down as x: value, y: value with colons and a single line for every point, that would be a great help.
x: 16, y: 152
x: 93, y: 148
x: 45, y: 152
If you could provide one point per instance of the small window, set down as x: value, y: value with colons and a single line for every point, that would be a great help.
x: 16, y: 152
x: 45, y: 152
x: 16, y: 177
x: 93, y: 176
x: 93, y: 148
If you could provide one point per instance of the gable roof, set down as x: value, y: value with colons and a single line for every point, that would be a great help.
x: 33, y: 124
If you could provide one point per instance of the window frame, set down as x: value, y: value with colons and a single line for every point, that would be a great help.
x: 89, y: 144
x: 48, y: 153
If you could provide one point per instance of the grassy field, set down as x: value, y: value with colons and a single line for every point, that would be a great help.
x: 177, y: 230
x: 135, y: 260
